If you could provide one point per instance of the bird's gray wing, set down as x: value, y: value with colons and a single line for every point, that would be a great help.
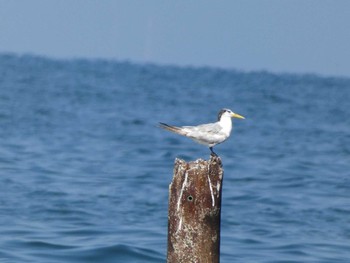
x: 210, y: 128
x: 209, y: 133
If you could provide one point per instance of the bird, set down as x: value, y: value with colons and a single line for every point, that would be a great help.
x: 209, y: 134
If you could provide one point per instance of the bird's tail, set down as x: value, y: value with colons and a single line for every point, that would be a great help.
x: 175, y: 129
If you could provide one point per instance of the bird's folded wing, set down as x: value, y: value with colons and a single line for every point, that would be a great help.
x: 204, y: 129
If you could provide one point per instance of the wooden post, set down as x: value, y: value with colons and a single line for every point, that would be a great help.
x: 194, y: 212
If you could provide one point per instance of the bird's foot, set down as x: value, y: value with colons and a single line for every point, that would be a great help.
x: 212, y: 152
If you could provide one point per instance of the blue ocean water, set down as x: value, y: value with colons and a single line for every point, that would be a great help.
x: 84, y: 171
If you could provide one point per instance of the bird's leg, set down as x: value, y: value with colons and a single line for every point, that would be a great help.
x: 212, y: 152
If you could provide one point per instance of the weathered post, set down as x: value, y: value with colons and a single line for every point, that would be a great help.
x: 194, y: 212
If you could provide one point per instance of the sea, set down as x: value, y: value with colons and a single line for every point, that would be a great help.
x: 85, y: 171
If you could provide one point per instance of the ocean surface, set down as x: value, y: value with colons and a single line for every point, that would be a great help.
x: 84, y: 169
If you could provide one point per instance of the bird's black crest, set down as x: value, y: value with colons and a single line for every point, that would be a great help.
x: 221, y: 112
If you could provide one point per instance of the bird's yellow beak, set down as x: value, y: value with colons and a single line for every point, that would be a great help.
x: 235, y: 115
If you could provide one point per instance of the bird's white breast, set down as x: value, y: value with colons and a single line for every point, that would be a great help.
x: 226, y: 124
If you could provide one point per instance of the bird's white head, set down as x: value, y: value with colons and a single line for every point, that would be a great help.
x: 227, y: 113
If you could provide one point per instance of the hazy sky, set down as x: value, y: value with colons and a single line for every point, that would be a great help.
x: 308, y: 36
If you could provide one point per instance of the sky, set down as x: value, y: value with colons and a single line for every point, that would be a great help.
x: 287, y: 36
